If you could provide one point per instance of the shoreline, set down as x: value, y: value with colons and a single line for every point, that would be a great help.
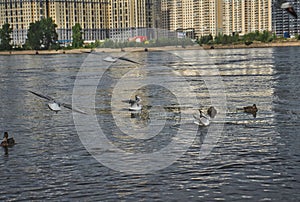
x: 151, y: 49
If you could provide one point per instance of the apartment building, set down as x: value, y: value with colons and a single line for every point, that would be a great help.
x: 19, y: 14
x: 99, y: 19
x: 246, y: 16
x: 179, y: 16
x: 217, y: 16
x: 128, y: 18
x: 123, y: 19
x: 90, y: 14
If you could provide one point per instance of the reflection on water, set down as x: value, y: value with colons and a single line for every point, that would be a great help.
x: 254, y: 159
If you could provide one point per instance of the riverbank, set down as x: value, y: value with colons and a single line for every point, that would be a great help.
x: 253, y: 45
x: 142, y: 49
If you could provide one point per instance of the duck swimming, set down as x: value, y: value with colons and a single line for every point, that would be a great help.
x: 212, y: 112
x: 251, y: 110
x: 56, y: 106
x: 7, y: 141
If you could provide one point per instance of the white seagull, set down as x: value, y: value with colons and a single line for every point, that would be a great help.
x: 135, y: 104
x: 56, y: 106
x: 204, y: 120
x: 115, y: 59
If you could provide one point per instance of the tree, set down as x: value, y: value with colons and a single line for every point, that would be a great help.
x: 77, y: 36
x: 5, y: 38
x: 49, y: 33
x: 34, y: 35
x: 42, y: 34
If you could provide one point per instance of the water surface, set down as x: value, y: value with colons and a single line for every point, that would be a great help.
x: 255, y: 158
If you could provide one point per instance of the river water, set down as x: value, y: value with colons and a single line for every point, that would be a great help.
x: 239, y: 157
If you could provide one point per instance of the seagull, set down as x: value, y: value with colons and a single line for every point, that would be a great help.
x: 289, y: 8
x: 135, y: 104
x: 251, y: 109
x: 115, y: 59
x: 54, y: 105
x: 202, y: 120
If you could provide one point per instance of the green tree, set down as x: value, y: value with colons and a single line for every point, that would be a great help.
x: 42, y: 34
x: 5, y: 38
x: 34, y: 36
x: 50, y: 36
x: 77, y: 36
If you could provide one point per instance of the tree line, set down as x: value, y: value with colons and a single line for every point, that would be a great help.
x: 265, y: 37
x: 41, y: 35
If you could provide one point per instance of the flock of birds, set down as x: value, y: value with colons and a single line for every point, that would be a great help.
x: 202, y: 119
x: 135, y: 104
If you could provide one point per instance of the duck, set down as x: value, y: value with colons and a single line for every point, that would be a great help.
x: 54, y: 105
x: 212, y: 112
x: 135, y: 104
x: 251, y: 110
x: 288, y: 7
x: 6, y: 142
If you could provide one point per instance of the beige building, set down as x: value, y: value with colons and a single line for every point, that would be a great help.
x: 245, y: 16
x: 217, y: 16
x: 178, y: 15
x: 99, y: 19
x: 127, y: 18
x: 19, y: 14
x: 123, y: 19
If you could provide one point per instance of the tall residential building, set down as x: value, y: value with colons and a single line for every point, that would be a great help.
x: 90, y: 14
x: 129, y: 18
x: 180, y: 15
x: 19, y: 14
x: 245, y: 16
x: 123, y: 19
x: 99, y: 19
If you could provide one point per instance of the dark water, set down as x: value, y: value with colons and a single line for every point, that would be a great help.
x: 253, y: 159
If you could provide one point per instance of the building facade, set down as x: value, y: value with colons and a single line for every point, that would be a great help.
x: 99, y: 19
x: 123, y: 19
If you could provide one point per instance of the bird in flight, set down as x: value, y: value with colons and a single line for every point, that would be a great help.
x: 56, y: 106
x: 288, y: 7
x: 115, y: 59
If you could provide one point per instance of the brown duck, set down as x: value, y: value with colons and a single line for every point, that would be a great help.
x: 251, y: 109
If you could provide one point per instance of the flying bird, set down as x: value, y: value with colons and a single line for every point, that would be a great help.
x: 115, y: 59
x: 288, y: 7
x: 56, y: 106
